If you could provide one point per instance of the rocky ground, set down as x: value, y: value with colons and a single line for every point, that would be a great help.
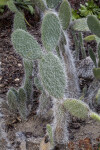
x: 18, y: 135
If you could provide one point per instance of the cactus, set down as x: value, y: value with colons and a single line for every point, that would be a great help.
x: 22, y: 103
x: 77, y: 108
x: 12, y: 100
x: 96, y: 72
x: 52, y: 75
x: 19, y: 22
x: 80, y: 25
x: 40, y: 3
x: 82, y: 45
x: 26, y: 45
x: 28, y: 65
x: 60, y: 131
x: 94, y: 25
x: 98, y: 97
x: 37, y: 83
x: 52, y: 3
x: 93, y: 57
x: 95, y: 116
x: 99, y: 55
x: 89, y: 38
x: 65, y: 14
x: 12, y: 6
x: 76, y: 45
x: 45, y: 104
x: 50, y: 133
x: 50, y: 31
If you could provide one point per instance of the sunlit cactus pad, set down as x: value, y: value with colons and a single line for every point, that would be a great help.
x: 65, y: 14
x: 26, y: 45
x: 52, y: 75
x: 50, y: 31
x: 80, y: 25
x: 77, y: 108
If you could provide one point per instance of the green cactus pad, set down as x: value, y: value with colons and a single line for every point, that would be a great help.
x: 28, y: 65
x: 3, y: 2
x: 77, y: 108
x: 98, y: 97
x: 65, y: 14
x: 96, y: 72
x: 95, y: 116
x: 12, y: 100
x: 50, y: 31
x: 22, y: 103
x: 53, y: 3
x: 19, y: 22
x: 89, y: 38
x: 50, y: 133
x: 94, y: 25
x: 40, y: 3
x: 80, y: 25
x: 12, y: 6
x: 26, y: 45
x: 93, y: 57
x: 52, y: 75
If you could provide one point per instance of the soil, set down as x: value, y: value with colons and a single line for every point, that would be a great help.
x: 27, y: 135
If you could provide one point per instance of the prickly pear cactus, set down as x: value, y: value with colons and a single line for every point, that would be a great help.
x: 65, y: 14
x: 19, y: 22
x: 77, y: 108
x: 22, y: 103
x: 28, y: 75
x: 51, y: 31
x: 26, y: 45
x: 94, y: 25
x: 95, y: 116
x: 98, y: 97
x: 12, y: 6
x: 12, y: 100
x: 52, y: 75
x: 52, y: 3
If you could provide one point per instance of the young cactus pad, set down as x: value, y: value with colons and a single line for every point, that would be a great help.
x: 50, y: 133
x: 26, y: 45
x: 12, y: 6
x: 80, y: 25
x: 77, y: 108
x: 12, y: 100
x: 94, y: 25
x: 65, y: 14
x: 19, y: 22
x: 95, y: 116
x: 50, y: 31
x: 52, y: 75
x: 53, y: 3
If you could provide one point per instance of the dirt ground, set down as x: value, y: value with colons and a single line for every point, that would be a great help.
x: 83, y: 135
